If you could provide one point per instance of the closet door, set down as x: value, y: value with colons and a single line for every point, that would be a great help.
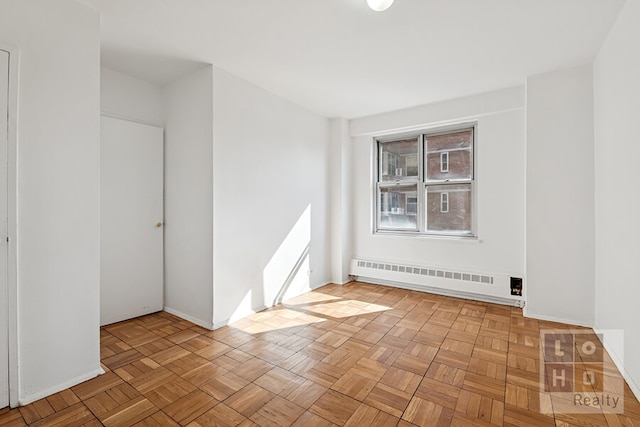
x: 131, y: 224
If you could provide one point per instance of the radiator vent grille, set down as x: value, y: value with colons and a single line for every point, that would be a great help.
x: 445, y: 274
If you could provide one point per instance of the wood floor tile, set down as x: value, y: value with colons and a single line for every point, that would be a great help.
x: 249, y: 399
x: 252, y: 369
x: 11, y: 418
x: 152, y: 379
x: 521, y: 417
x: 97, y: 385
x: 426, y: 413
x: 75, y: 415
x: 354, y: 385
x: 126, y: 413
x: 306, y: 394
x: 277, y: 412
x: 155, y: 346
x: 335, y: 407
x: 203, y: 373
x: 223, y: 386
x: 477, y: 406
x: 486, y: 386
x: 411, y: 363
x: 440, y: 393
x: 136, y: 369
x: 367, y: 415
x: 63, y: 400
x: 123, y: 358
x: 220, y: 416
x: 355, y: 355
x: 169, y: 355
x: 370, y: 368
x: 190, y: 407
x: 37, y: 411
x: 487, y: 368
x: 446, y: 374
x: 309, y: 419
x: 182, y: 336
x: 402, y: 380
x: 324, y: 374
x: 158, y: 419
x: 280, y: 381
x: 169, y: 392
x: 388, y: 399
x: 342, y: 359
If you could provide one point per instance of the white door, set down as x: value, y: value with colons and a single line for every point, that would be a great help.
x: 4, y: 320
x: 131, y: 223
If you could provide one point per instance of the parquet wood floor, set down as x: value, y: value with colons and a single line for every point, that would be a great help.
x: 353, y: 355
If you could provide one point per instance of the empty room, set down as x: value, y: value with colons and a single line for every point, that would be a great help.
x: 319, y: 213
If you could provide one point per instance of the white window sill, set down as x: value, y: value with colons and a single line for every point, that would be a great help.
x: 415, y: 235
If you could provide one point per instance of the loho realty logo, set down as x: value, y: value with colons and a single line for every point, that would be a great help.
x: 577, y: 375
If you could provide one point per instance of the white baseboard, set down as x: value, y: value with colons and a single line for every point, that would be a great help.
x: 617, y: 360
x: 25, y: 400
x: 572, y: 322
x: 202, y: 323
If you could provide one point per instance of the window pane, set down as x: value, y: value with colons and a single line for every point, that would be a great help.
x: 449, y: 208
x: 399, y: 160
x: 458, y: 147
x: 398, y: 207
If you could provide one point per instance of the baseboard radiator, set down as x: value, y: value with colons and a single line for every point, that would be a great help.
x: 494, y: 288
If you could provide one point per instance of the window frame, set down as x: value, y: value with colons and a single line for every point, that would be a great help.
x: 422, y: 183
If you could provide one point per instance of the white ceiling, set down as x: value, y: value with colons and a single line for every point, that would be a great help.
x: 340, y: 59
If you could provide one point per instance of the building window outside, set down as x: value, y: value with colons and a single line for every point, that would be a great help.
x: 425, y: 183
x: 444, y: 161
x: 444, y: 202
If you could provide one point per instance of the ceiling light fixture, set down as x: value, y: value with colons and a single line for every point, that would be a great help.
x: 379, y: 5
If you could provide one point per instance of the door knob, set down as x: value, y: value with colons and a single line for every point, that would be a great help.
x: 159, y: 224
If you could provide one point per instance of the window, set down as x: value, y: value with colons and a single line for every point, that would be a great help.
x: 444, y: 202
x: 444, y: 161
x: 425, y: 183
x: 412, y: 204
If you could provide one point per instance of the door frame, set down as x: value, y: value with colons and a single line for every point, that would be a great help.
x: 12, y: 211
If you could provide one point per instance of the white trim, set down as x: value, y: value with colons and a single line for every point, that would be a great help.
x: 189, y: 318
x: 12, y: 211
x: 635, y: 388
x: 129, y: 119
x: 63, y: 386
x: 571, y: 322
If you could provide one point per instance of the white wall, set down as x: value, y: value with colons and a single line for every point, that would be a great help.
x: 560, y: 196
x: 130, y: 98
x: 189, y: 197
x: 339, y: 174
x: 58, y: 191
x: 617, y: 113
x: 270, y: 198
x: 500, y: 186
